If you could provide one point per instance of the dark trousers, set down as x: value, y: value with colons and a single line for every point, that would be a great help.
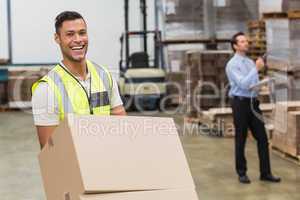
x: 247, y: 114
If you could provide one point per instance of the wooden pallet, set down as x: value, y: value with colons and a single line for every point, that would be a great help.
x: 254, y: 38
x: 256, y: 24
x: 286, y: 156
x: 256, y: 52
x: 260, y: 41
x: 294, y: 14
x: 257, y: 35
x: 277, y: 15
x: 257, y: 48
x: 4, y: 108
x: 254, y: 56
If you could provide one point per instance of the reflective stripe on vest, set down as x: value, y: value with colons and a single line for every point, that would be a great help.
x: 72, y: 97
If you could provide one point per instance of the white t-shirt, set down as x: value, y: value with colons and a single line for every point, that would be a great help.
x: 45, y: 105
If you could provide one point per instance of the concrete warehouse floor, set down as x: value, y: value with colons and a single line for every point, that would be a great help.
x: 211, y: 162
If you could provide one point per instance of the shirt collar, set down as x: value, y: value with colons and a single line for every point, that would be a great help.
x: 88, y: 76
x: 241, y: 57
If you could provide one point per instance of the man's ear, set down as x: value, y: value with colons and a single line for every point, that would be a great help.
x: 56, y: 38
x: 234, y: 46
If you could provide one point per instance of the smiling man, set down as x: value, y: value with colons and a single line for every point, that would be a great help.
x: 75, y: 85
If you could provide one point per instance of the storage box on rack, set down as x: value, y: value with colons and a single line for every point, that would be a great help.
x: 286, y: 137
x: 206, y: 84
x: 283, y: 42
x: 176, y: 87
x: 293, y: 134
x: 270, y: 6
x: 281, y: 114
x: 287, y: 87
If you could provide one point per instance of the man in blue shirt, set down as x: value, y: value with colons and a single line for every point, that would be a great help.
x: 242, y: 74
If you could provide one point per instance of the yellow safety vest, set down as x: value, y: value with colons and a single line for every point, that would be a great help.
x: 71, y: 95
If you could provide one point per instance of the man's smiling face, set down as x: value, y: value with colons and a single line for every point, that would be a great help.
x: 72, y: 38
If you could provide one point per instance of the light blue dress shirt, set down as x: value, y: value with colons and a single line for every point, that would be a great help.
x: 242, y: 74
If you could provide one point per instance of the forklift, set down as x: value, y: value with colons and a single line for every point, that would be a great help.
x: 142, y: 82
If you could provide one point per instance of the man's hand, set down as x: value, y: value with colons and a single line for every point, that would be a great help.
x: 260, y: 64
x: 119, y: 110
x: 44, y: 133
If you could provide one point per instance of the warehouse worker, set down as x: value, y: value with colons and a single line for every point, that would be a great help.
x: 75, y: 85
x: 242, y: 73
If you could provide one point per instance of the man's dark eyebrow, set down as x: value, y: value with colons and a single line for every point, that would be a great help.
x: 70, y: 31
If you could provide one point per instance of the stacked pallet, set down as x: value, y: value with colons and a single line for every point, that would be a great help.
x: 286, y: 136
x: 257, y: 39
x: 185, y: 19
x: 283, y: 33
x: 287, y: 86
x: 20, y: 82
x: 232, y: 16
x: 176, y: 87
x: 272, y: 6
x: 283, y: 40
x: 264, y: 95
x: 282, y: 19
x: 206, y: 81
x: 176, y: 59
x: 222, y: 119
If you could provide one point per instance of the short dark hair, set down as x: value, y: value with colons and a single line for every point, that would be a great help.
x: 234, y: 39
x: 65, y: 16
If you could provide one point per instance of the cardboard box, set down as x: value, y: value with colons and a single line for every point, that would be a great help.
x: 221, y: 119
x: 175, y: 87
x: 279, y: 140
x: 281, y: 114
x: 207, y: 84
x: 283, y: 40
x: 269, y: 6
x: 146, y: 195
x: 104, y: 154
x: 293, y: 134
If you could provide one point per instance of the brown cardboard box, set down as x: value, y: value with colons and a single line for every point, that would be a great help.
x: 281, y: 114
x: 206, y: 83
x: 279, y: 140
x: 146, y: 195
x: 222, y: 119
x: 293, y: 133
x: 175, y: 87
x: 89, y: 154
